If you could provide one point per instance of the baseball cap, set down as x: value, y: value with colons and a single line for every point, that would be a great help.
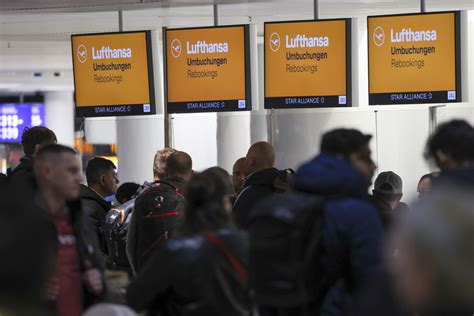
x: 388, y: 182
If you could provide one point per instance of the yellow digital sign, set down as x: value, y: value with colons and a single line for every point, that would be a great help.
x: 113, y: 74
x: 414, y: 58
x: 207, y: 69
x: 307, y: 64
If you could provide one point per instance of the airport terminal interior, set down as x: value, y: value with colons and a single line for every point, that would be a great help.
x: 36, y: 60
x: 122, y: 79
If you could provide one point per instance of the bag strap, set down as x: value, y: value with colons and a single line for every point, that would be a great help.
x: 236, y: 265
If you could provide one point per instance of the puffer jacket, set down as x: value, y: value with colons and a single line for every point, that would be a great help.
x: 352, y: 234
x: 190, y: 275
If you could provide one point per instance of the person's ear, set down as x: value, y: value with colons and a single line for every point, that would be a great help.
x: 37, y: 148
x: 441, y: 158
x: 227, y: 204
x: 102, y: 180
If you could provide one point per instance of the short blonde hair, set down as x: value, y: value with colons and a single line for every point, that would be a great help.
x: 159, y: 163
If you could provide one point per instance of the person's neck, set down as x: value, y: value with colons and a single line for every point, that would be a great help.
x: 51, y: 201
x: 179, y: 176
x: 393, y: 204
x: 98, y: 190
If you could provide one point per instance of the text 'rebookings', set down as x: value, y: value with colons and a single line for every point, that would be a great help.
x: 414, y: 58
x: 112, y: 74
x: 207, y: 69
x: 307, y: 64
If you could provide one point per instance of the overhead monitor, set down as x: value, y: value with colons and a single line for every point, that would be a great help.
x: 113, y: 74
x: 308, y: 64
x: 207, y: 69
x: 414, y: 58
x: 14, y: 118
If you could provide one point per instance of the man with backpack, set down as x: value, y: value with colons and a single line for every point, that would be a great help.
x: 118, y: 221
x: 157, y: 209
x: 264, y: 180
x: 310, y: 250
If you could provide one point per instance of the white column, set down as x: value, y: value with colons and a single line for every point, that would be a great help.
x: 138, y: 140
x: 140, y: 137
x: 233, y: 138
x: 59, y: 108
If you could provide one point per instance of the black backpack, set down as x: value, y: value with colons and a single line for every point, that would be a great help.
x: 157, y: 211
x: 284, y: 231
x: 116, y: 226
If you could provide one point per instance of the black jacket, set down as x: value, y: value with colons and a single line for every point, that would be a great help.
x: 86, y: 246
x: 178, y: 183
x: 258, y: 186
x: 191, y: 276
x: 463, y: 177
x: 95, y: 209
x: 22, y: 178
x: 3, y: 178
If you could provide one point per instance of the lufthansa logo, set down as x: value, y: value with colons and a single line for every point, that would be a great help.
x: 379, y: 36
x: 82, y: 53
x: 275, y: 42
x: 176, y: 48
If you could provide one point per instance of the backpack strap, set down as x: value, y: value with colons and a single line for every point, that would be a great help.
x: 236, y: 265
x: 155, y: 243
x: 167, y: 183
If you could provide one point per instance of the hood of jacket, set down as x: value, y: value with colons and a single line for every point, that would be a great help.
x: 330, y: 175
x: 264, y: 177
x: 87, y: 193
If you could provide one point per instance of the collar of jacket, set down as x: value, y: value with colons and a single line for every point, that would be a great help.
x: 90, y: 194
x: 262, y: 177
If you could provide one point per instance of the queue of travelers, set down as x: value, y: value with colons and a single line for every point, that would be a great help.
x: 260, y: 241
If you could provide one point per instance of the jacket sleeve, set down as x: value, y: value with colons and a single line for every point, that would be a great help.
x: 152, y: 281
x: 131, y: 245
x: 92, y: 222
x: 366, y: 243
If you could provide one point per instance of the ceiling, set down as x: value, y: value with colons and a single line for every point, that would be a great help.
x: 35, y: 35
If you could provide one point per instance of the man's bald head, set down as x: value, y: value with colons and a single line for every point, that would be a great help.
x: 260, y: 156
x: 179, y: 165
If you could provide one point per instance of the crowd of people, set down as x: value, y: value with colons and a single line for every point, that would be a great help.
x: 259, y: 241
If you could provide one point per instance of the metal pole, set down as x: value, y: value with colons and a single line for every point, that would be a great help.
x: 423, y: 6
x: 216, y: 15
x: 377, y: 136
x: 316, y: 9
x: 120, y: 20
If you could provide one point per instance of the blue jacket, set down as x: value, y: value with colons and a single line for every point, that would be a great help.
x: 352, y: 233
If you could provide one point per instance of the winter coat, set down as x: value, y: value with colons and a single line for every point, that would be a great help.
x: 258, y: 186
x: 95, y: 209
x: 352, y: 233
